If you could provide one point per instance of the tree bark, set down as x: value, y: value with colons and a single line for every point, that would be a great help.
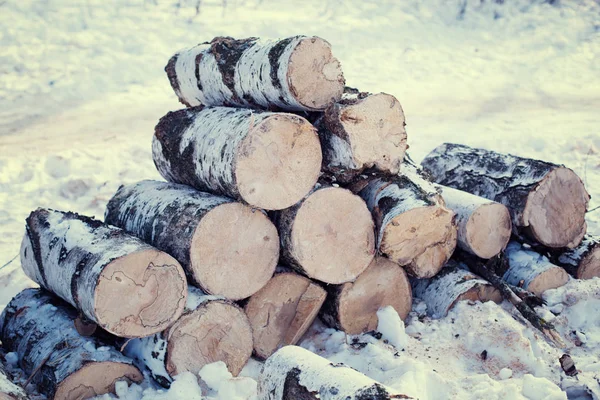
x: 547, y: 202
x: 268, y: 160
x: 484, y: 226
x: 282, y: 311
x: 328, y: 236
x: 211, y: 329
x: 360, y: 131
x: 297, y: 73
x: 293, y: 373
x: 582, y: 262
x: 63, y: 364
x: 453, y: 284
x: 532, y: 271
x: 93, y: 266
x: 226, y: 248
x: 352, y: 307
x: 8, y: 389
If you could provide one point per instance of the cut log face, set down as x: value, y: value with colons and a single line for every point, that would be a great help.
x: 532, y: 271
x: 583, y: 262
x: 268, y: 160
x: 484, y: 226
x: 352, y: 307
x: 452, y: 285
x: 295, y: 373
x: 64, y: 365
x: 328, y: 236
x: 92, y: 266
x: 297, y: 74
x: 362, y: 131
x: 226, y: 248
x: 282, y: 311
x: 547, y: 201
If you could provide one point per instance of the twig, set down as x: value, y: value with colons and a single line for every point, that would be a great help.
x: 35, y: 371
x: 8, y: 263
x: 593, y: 209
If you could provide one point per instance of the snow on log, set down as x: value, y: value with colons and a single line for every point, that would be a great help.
x: 282, y: 311
x: 297, y: 73
x: 293, y: 373
x: 582, y: 262
x: 484, y: 226
x: 225, y: 247
x: 9, y: 390
x: 451, y: 285
x: 268, y: 160
x: 532, y: 271
x: 122, y: 284
x: 547, y: 202
x: 328, y: 236
x: 64, y: 365
x: 352, y: 307
x: 211, y: 329
x: 360, y: 131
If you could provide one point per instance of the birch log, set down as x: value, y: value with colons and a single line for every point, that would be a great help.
x: 225, y: 247
x: 328, y: 236
x: 211, y: 329
x: 293, y: 373
x: 282, y: 311
x: 532, y: 271
x: 547, y: 202
x: 360, y: 131
x: 122, y: 284
x: 352, y: 307
x: 453, y: 284
x: 63, y: 364
x: 268, y: 160
x: 9, y: 390
x: 297, y: 73
x: 484, y: 226
x: 582, y: 262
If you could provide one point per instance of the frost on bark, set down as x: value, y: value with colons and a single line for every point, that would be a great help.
x: 225, y: 247
x: 64, y: 365
x: 268, y: 160
x: 453, y: 284
x: 94, y: 266
x: 328, y: 236
x: 582, y: 262
x: 297, y: 74
x: 352, y: 307
x: 211, y: 329
x: 293, y: 373
x: 547, y: 202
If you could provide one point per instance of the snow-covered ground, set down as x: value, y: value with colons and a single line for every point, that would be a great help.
x: 82, y: 86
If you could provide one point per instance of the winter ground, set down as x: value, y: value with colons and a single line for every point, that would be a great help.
x: 82, y: 86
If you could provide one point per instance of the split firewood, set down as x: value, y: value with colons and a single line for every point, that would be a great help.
x: 268, y: 160
x: 282, y: 311
x: 93, y: 266
x: 360, y: 131
x: 225, y: 247
x: 298, y: 73
x: 452, y: 285
x: 582, y: 262
x: 211, y: 329
x: 484, y: 226
x: 352, y: 307
x: 8, y: 389
x: 547, y: 201
x: 295, y: 373
x: 532, y: 271
x: 63, y: 364
x: 328, y: 236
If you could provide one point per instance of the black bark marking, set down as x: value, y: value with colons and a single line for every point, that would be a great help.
x: 172, y: 75
x: 274, y: 60
x: 293, y: 390
x: 227, y: 52
x: 31, y: 223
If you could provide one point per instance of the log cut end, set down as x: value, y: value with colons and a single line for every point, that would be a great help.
x: 140, y: 294
x: 215, y: 331
x: 234, y: 251
x: 422, y: 240
x: 482, y: 292
x: 589, y: 267
x: 282, y: 311
x: 315, y: 75
x: 333, y: 236
x: 96, y: 379
x: 555, y: 211
x: 279, y: 162
x: 488, y: 230
x: 551, y: 278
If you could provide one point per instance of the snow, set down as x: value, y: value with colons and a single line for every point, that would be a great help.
x: 82, y: 86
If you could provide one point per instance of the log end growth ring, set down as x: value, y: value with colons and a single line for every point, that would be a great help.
x: 550, y: 279
x: 590, y: 265
x: 488, y: 230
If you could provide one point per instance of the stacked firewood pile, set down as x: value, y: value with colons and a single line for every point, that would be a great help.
x: 288, y: 196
